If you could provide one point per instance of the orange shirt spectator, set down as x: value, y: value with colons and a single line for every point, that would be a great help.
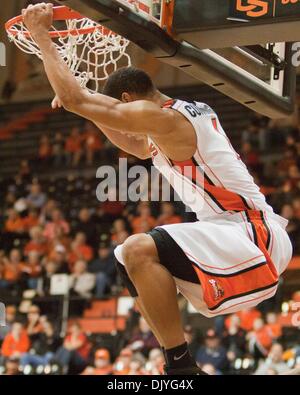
x: 14, y: 223
x: 102, y: 365
x: 32, y: 245
x: 273, y: 326
x: 80, y: 250
x: 263, y: 337
x: 92, y: 140
x: 45, y: 148
x: 13, y: 266
x: 144, y: 221
x: 32, y: 267
x: 168, y: 216
x: 31, y: 220
x: 16, y: 342
x: 84, y: 252
x: 77, y: 340
x: 143, y: 224
x: 73, y: 142
x: 247, y: 318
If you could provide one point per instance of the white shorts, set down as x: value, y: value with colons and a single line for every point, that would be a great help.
x: 224, y: 265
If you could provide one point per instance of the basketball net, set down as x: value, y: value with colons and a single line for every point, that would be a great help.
x: 91, y: 51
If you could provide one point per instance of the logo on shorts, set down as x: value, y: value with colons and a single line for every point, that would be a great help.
x: 253, y: 8
x: 218, y: 290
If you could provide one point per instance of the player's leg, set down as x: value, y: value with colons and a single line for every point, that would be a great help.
x: 157, y: 294
x: 149, y: 321
x: 156, y: 288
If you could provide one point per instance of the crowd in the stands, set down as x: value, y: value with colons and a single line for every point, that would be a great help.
x: 48, y: 228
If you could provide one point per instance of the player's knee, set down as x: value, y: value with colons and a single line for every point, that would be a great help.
x: 137, y: 250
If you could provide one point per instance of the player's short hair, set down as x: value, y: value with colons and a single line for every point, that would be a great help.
x: 130, y: 80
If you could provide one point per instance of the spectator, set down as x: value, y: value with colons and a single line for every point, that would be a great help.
x: 136, y: 366
x: 59, y: 257
x: 102, y: 364
x: 144, y: 221
x: 212, y: 352
x: 73, y: 148
x: 247, y: 318
x: 14, y: 223
x: 273, y: 325
x: 121, y: 366
x: 82, y: 283
x: 10, y: 318
x: 57, y: 226
x: 33, y: 324
x: 50, y: 268
x: 143, y: 339
x: 104, y: 269
x: 92, y: 144
x: 32, y: 269
x: 37, y: 243
x: 24, y: 170
x: 43, y: 347
x: 36, y: 198
x: 12, y: 367
x: 86, y: 224
x: 12, y: 270
x: 168, y: 216
x: 16, y: 342
x: 45, y: 149
x: 31, y: 220
x: 250, y: 157
x: 274, y: 361
x: 79, y: 250
x: 156, y: 362
x: 260, y: 339
x: 234, y: 338
x: 58, y: 149
x: 75, y: 350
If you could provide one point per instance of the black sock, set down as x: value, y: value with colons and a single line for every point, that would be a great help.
x: 179, y: 357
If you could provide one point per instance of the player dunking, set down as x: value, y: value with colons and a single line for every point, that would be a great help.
x: 233, y: 256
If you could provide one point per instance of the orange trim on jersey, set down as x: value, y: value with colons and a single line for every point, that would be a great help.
x: 224, y: 268
x: 263, y: 297
x: 220, y: 289
x: 224, y: 199
x: 168, y: 103
x: 215, y: 124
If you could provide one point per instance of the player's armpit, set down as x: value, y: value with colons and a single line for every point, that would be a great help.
x: 138, y: 117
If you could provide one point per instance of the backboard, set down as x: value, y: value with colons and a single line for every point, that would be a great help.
x: 242, y: 48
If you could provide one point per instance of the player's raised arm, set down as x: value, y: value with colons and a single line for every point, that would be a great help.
x: 139, y: 117
x: 134, y: 145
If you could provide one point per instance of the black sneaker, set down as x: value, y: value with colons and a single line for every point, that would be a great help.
x: 190, y: 371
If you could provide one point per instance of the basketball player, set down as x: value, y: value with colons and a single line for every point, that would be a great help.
x: 233, y: 256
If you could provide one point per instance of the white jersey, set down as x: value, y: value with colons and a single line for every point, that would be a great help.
x: 215, y: 181
x: 232, y: 258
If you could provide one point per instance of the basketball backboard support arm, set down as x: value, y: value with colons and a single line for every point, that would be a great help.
x: 203, y: 64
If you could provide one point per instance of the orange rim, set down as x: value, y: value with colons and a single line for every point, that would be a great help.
x: 61, y: 13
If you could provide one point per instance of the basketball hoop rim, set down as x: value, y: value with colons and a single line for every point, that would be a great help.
x: 60, y: 13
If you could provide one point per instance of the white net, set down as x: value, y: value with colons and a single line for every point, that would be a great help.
x: 91, y: 51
